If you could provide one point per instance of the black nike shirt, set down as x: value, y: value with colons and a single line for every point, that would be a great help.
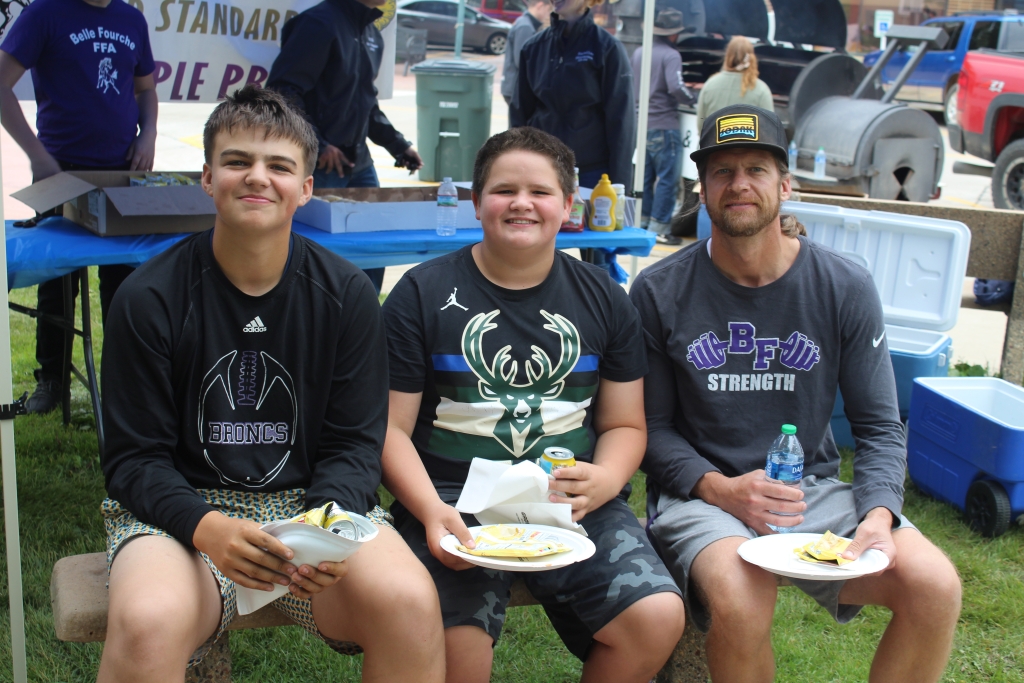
x: 206, y: 387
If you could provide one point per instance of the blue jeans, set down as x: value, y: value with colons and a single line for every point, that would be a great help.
x: 661, y: 173
x: 365, y: 178
x: 703, y: 223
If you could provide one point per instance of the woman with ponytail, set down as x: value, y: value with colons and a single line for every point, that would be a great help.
x: 736, y: 83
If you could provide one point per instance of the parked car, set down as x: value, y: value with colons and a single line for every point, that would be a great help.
x: 506, y: 10
x: 933, y: 85
x: 480, y: 31
x: 990, y: 122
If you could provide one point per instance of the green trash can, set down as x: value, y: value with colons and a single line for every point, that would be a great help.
x: 453, y: 115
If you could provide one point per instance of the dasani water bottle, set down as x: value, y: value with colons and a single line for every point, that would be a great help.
x: 819, y: 163
x: 447, y: 208
x: 793, y: 154
x: 785, y: 466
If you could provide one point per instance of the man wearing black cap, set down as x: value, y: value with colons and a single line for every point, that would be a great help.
x: 750, y: 329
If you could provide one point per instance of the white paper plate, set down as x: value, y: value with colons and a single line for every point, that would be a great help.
x: 774, y: 553
x: 582, y: 548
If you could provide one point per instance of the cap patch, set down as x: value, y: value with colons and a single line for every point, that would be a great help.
x: 736, y: 127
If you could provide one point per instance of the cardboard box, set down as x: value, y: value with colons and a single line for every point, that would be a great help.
x: 371, y: 209
x: 103, y: 202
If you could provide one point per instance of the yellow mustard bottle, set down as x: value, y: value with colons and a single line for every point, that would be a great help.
x: 602, y: 206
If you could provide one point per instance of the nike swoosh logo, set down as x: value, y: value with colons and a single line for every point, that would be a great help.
x: 876, y: 342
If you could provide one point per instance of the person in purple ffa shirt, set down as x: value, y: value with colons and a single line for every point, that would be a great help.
x: 92, y: 68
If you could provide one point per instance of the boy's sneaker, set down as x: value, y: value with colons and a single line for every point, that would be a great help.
x: 45, y: 398
x: 670, y: 240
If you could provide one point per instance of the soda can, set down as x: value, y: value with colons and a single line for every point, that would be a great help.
x: 341, y: 523
x: 345, y: 527
x: 332, y: 518
x: 555, y: 458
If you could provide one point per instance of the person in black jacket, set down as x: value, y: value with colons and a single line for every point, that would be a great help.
x: 330, y: 56
x: 576, y: 82
x: 245, y: 380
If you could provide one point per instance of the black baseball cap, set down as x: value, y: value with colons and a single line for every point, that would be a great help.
x: 741, y: 125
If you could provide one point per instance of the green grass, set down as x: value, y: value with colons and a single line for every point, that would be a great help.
x: 964, y: 369
x: 61, y: 486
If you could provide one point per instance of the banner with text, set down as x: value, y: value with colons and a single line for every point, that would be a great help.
x: 206, y: 48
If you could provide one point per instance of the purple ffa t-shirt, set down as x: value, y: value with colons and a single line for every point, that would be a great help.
x: 83, y: 61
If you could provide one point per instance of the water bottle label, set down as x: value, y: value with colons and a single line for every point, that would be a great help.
x: 783, y: 472
x: 447, y: 201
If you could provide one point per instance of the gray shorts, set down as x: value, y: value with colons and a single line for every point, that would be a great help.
x: 579, y: 599
x: 683, y: 529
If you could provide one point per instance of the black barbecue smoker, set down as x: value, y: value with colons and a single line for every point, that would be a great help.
x: 877, y: 147
x: 873, y: 144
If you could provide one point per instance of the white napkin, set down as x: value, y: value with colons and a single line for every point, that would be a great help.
x: 500, y: 493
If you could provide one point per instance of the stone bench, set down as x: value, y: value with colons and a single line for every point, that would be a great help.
x: 78, y: 597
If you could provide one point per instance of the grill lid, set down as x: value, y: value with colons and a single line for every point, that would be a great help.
x: 814, y: 22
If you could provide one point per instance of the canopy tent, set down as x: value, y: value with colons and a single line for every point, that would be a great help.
x: 642, y: 101
x: 11, y: 529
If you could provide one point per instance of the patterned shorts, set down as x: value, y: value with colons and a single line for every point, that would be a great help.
x: 579, y: 599
x: 262, y: 508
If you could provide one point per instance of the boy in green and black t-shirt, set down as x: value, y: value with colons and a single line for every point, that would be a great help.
x: 498, y: 351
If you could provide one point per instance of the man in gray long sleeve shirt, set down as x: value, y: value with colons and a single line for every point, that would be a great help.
x: 772, y: 323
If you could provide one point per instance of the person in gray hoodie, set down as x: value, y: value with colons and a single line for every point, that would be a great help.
x: 664, y: 139
x: 536, y: 17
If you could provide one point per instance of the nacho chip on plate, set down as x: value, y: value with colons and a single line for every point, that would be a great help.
x: 825, y: 550
x: 507, y: 540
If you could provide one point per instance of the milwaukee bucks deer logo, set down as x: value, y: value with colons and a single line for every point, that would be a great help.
x: 521, y: 424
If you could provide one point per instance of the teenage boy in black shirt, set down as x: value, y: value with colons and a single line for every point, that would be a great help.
x: 243, y: 379
x: 498, y: 351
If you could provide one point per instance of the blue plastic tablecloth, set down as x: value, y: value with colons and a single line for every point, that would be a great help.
x: 57, y: 246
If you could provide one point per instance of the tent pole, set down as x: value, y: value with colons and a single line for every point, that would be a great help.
x: 643, y: 100
x: 460, y: 25
x: 11, y: 530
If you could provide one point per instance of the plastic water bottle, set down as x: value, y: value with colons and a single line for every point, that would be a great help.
x: 793, y: 153
x: 819, y: 163
x: 785, y: 466
x: 447, y: 208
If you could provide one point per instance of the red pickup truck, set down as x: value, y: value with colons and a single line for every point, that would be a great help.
x: 990, y: 122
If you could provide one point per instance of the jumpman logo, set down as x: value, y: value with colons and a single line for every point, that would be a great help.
x: 453, y: 302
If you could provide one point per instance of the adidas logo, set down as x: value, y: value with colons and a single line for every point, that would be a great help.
x: 255, y: 325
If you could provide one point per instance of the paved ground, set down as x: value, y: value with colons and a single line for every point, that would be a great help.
x: 977, y: 338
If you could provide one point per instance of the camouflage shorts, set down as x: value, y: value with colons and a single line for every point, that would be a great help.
x: 122, y: 526
x: 580, y: 599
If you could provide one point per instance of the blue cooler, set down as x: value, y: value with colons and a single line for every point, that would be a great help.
x: 914, y: 353
x: 965, y: 445
x: 918, y: 266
